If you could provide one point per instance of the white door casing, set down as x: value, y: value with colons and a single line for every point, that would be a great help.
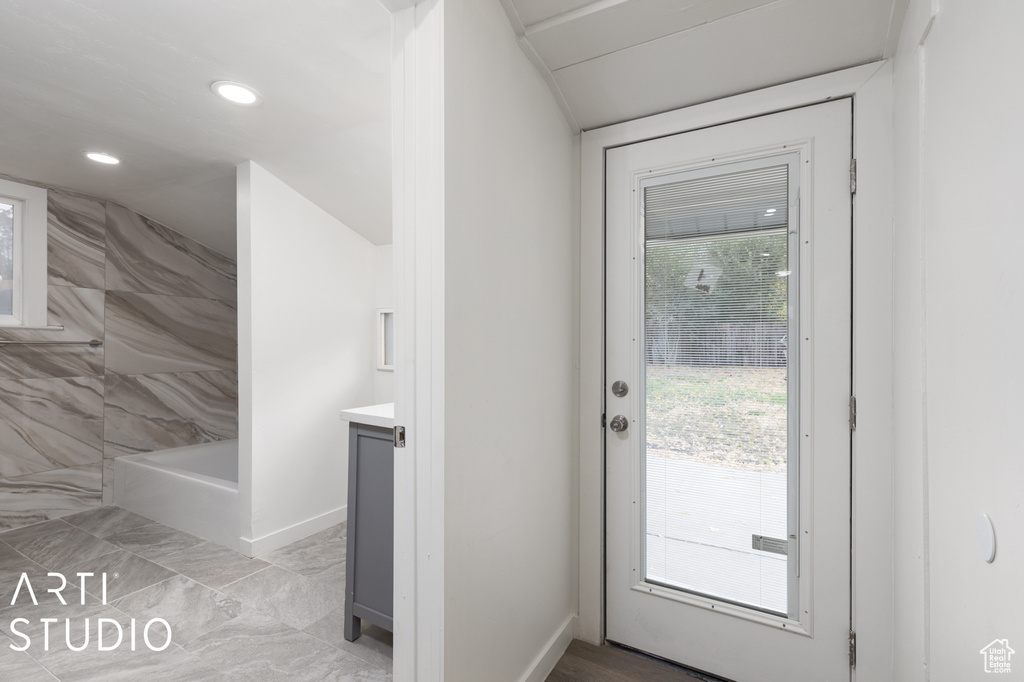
x: 418, y: 216
x: 705, y: 633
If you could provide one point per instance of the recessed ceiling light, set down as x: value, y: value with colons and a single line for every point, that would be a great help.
x: 237, y: 93
x: 100, y: 157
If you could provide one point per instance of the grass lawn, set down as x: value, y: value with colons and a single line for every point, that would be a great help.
x: 731, y: 416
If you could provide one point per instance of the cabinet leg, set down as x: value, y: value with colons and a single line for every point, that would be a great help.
x: 353, y: 626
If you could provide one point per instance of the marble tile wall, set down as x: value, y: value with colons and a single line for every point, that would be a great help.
x: 164, y: 307
x: 143, y: 412
x: 146, y: 257
x: 80, y: 310
x: 76, y: 241
x: 50, y: 424
x: 155, y: 333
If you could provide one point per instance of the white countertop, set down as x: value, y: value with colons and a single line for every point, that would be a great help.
x: 374, y: 415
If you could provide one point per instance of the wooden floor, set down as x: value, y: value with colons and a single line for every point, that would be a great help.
x: 584, y: 662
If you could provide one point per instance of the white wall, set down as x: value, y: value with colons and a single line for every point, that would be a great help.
x: 306, y: 351
x: 909, y: 624
x: 383, y: 297
x: 958, y: 334
x: 510, y: 246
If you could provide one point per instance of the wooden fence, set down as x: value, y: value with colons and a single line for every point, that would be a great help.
x: 737, y: 344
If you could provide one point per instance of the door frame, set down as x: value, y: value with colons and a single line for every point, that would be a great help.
x: 872, y: 535
x: 417, y: 135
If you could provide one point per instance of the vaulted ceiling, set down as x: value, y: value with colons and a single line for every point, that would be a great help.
x: 615, y: 60
x: 133, y: 79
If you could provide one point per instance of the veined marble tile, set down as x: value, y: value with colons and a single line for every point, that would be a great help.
x: 151, y: 334
x: 173, y: 664
x: 18, y: 665
x: 312, y: 555
x: 48, y: 424
x: 30, y: 499
x: 79, y: 310
x: 354, y: 670
x: 12, y: 564
x: 190, y: 608
x: 146, y: 412
x: 35, y: 530
x: 146, y: 257
x: 81, y: 313
x: 63, y: 549
x: 375, y: 645
x: 106, y: 521
x: 154, y: 541
x: 35, y: 362
x: 210, y: 564
x: 126, y: 573
x: 293, y: 599
x: 12, y: 561
x: 257, y: 648
x: 108, y: 482
x: 75, y: 241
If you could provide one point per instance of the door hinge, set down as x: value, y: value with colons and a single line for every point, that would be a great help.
x: 853, y: 649
x: 604, y: 420
x: 853, y: 176
x: 853, y: 413
x: 399, y: 436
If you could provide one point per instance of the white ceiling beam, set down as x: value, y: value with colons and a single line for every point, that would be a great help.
x: 574, y: 15
x: 513, y: 16
x: 395, y: 6
x: 899, y: 12
x: 531, y: 52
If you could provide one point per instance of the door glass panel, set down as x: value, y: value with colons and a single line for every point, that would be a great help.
x: 717, y: 286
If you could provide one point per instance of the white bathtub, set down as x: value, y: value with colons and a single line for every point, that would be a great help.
x: 193, y: 489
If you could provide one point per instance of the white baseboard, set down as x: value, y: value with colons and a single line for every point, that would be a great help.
x: 286, y: 536
x: 548, y: 658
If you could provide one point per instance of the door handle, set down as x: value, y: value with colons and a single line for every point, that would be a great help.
x: 619, y: 423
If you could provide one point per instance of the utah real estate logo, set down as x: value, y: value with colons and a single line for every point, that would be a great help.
x: 997, y: 656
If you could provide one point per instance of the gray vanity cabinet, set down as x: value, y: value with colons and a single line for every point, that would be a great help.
x: 371, y: 521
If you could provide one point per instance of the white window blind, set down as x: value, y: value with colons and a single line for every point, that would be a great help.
x: 722, y: 204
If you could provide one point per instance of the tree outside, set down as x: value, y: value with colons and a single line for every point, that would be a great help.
x: 716, y: 350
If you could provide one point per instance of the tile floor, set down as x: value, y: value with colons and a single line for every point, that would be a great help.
x: 276, y: 617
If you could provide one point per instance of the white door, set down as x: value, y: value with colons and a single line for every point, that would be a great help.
x: 727, y: 402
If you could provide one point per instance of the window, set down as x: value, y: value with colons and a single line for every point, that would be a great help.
x: 22, y: 255
x: 386, y: 339
x: 6, y: 258
x: 719, y: 286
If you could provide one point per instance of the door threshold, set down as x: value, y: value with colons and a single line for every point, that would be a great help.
x: 692, y: 672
